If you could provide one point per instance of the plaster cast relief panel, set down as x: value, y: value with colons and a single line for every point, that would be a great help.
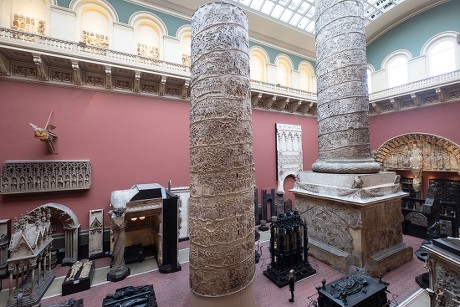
x: 221, y: 213
x: 96, y: 232
x: 45, y: 176
x: 183, y: 193
x: 447, y: 288
x: 419, y: 152
x: 95, y: 39
x: 28, y: 24
x: 289, y: 152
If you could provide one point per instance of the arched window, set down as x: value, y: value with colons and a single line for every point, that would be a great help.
x: 283, y: 71
x: 29, y: 16
x: 258, y: 60
x: 369, y: 80
x: 441, y: 57
x: 397, y: 70
x: 185, y: 41
x: 149, y: 31
x: 94, y: 23
x: 148, y: 40
x: 307, y: 77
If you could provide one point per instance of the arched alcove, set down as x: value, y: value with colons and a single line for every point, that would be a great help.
x: 419, y: 151
x: 70, y: 225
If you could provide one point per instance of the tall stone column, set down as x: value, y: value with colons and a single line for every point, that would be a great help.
x: 343, y: 100
x: 351, y: 208
x: 221, y: 219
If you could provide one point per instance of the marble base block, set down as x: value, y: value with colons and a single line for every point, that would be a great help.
x: 353, y: 220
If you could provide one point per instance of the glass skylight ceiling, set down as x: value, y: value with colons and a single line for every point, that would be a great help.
x: 300, y: 13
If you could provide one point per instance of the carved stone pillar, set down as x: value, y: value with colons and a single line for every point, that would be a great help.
x: 71, y: 246
x: 119, y: 270
x: 343, y: 100
x: 221, y: 219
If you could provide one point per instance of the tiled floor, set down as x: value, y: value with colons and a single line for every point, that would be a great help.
x: 173, y: 289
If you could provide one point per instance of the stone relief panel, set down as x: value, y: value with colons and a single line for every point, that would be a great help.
x: 183, y: 193
x: 329, y: 223
x: 96, y: 231
x: 220, y: 207
x: 447, y: 286
x: 45, y: 176
x: 28, y: 24
x: 419, y: 152
x: 289, y: 153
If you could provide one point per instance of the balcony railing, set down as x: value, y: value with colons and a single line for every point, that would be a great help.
x: 82, y: 50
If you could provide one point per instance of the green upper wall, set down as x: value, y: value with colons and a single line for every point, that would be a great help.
x: 126, y: 9
x: 273, y: 53
x: 412, y: 34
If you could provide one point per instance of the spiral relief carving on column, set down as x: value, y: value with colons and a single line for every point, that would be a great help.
x: 221, y: 220
x: 343, y: 101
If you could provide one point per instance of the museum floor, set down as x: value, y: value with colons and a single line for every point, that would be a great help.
x: 173, y: 289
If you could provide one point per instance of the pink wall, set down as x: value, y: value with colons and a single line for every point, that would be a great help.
x: 128, y: 138
x: 442, y: 120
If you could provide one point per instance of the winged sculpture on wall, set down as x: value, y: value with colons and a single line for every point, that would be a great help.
x: 45, y: 134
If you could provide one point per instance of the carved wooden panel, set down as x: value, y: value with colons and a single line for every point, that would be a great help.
x: 28, y: 176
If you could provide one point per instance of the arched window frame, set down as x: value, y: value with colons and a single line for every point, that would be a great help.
x: 102, y: 6
x: 369, y: 71
x: 307, y: 69
x: 260, y: 54
x: 147, y: 18
x: 387, y: 65
x: 280, y: 62
x: 32, y: 9
x: 427, y: 51
x: 184, y: 34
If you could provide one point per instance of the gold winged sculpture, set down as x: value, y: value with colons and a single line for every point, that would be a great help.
x: 45, y: 134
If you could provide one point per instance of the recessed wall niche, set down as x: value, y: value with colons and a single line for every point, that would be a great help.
x: 33, y: 176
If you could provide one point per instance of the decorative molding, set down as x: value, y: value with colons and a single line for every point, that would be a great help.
x: 28, y: 24
x: 29, y: 176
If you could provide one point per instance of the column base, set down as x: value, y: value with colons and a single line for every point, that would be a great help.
x: 117, y: 275
x: 245, y: 297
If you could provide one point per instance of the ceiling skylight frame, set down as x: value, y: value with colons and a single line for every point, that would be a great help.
x: 303, y: 11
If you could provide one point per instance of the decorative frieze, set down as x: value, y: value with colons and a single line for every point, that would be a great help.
x: 148, y: 51
x: 419, y: 152
x: 45, y: 176
x: 28, y: 24
x: 95, y: 39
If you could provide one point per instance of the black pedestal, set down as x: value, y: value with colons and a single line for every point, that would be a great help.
x: 354, y: 290
x: 280, y: 278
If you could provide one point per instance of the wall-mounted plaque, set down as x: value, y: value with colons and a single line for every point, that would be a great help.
x: 29, y: 176
x: 289, y: 154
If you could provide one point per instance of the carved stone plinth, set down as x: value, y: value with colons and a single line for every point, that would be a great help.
x: 444, y: 269
x: 221, y: 212
x: 353, y: 220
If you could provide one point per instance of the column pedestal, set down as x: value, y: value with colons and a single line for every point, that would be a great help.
x: 354, y: 220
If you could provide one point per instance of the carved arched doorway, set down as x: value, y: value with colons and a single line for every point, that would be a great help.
x: 70, y: 225
x: 424, y: 160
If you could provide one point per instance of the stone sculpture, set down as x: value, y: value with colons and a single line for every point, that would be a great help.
x: 221, y: 218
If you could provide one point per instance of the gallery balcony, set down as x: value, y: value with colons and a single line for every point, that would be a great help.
x: 35, y: 58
